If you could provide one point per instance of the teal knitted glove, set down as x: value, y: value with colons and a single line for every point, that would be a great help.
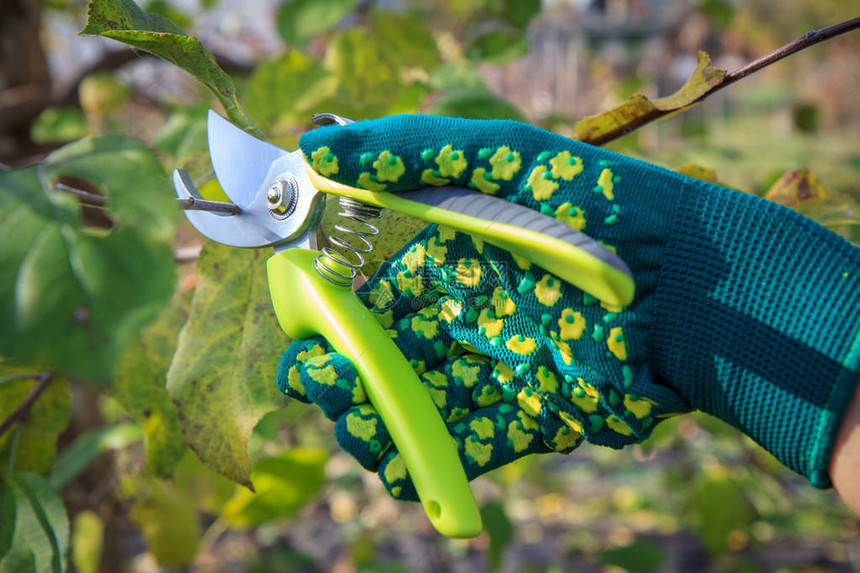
x: 744, y: 309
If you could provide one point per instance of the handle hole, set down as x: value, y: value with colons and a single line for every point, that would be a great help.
x: 433, y: 509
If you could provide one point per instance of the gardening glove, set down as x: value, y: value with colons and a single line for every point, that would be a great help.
x: 744, y: 309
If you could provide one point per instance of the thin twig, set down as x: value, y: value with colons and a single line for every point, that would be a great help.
x: 809, y: 39
x: 187, y: 203
x: 15, y: 377
x: 22, y: 410
x: 85, y: 196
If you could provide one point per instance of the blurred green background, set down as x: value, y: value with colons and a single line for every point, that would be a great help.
x: 697, y: 496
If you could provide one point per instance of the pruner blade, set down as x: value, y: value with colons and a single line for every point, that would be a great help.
x: 276, y: 203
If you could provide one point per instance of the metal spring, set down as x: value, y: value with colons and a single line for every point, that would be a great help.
x: 344, y: 270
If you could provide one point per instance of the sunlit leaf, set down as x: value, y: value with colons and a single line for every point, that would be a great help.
x: 287, y: 89
x: 698, y: 172
x: 36, y: 443
x: 124, y: 21
x: 365, y: 69
x: 457, y: 76
x: 500, y: 529
x: 209, y: 489
x: 183, y: 133
x: 283, y: 484
x: 638, y: 110
x: 406, y: 39
x: 167, y: 518
x: 222, y: 378
x: 797, y: 186
x: 72, y: 292
x: 59, y: 125
x: 87, y: 541
x: 140, y: 386
x: 35, y: 528
x: 101, y: 93
x: 301, y: 20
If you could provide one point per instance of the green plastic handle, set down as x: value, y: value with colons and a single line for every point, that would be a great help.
x: 307, y: 305
x: 571, y: 264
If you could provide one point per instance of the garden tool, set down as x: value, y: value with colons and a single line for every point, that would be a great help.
x: 278, y: 201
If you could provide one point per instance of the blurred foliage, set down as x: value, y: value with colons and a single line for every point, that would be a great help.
x: 179, y: 385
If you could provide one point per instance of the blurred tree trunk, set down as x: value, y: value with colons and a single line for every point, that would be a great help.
x: 25, y: 82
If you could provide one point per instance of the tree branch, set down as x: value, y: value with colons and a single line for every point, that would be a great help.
x: 24, y: 408
x: 809, y: 39
x: 637, y: 111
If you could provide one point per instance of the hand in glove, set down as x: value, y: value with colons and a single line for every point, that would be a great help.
x: 743, y: 309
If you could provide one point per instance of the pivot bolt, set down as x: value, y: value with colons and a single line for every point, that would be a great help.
x: 282, y: 196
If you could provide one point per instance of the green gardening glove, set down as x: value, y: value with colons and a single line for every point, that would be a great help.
x: 743, y: 309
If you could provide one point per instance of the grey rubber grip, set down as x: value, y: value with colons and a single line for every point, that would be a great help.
x: 495, y: 210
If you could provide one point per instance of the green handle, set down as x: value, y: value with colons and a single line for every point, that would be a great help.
x: 570, y: 263
x: 307, y: 305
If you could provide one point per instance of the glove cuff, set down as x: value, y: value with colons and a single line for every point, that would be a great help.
x: 757, y: 322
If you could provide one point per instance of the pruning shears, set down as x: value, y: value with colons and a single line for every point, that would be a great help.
x: 278, y: 201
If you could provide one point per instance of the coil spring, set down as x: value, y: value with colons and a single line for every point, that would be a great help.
x: 344, y: 270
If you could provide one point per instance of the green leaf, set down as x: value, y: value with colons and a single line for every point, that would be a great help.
x: 366, y: 72
x: 222, y: 378
x: 641, y: 557
x: 518, y: 12
x: 498, y: 526
x: 301, y: 20
x: 498, y: 46
x: 87, y: 541
x: 406, y: 39
x: 35, y: 532
x: 102, y: 94
x: 283, y: 484
x: 72, y: 296
x: 184, y: 133
x: 209, y: 489
x: 638, y: 110
x: 87, y: 447
x: 59, y: 125
x: 457, y: 76
x: 124, y: 21
x: 287, y: 89
x: 47, y: 418
x: 140, y: 386
x: 717, y: 507
x: 475, y: 104
x: 167, y: 518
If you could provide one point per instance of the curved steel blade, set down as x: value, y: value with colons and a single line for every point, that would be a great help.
x: 241, y: 161
x: 255, y: 225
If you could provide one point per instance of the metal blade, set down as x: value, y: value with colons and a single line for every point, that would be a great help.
x: 241, y: 161
x: 255, y: 225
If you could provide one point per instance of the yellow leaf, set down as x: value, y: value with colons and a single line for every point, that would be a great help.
x: 638, y: 110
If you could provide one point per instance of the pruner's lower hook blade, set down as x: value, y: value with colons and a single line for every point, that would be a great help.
x: 218, y: 226
x: 284, y: 211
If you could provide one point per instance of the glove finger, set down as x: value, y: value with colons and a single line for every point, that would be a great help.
x: 290, y: 367
x: 486, y: 439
